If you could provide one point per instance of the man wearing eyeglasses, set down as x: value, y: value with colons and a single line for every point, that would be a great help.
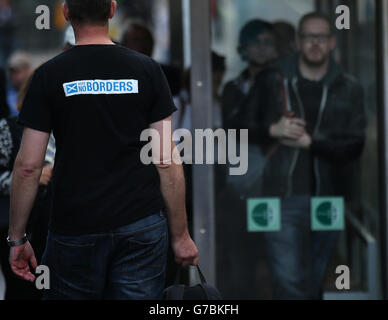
x: 315, y: 122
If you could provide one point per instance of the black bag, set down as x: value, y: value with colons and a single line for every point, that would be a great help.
x: 202, y: 291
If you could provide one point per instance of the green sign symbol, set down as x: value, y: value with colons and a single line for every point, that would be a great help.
x: 263, y: 215
x: 327, y: 213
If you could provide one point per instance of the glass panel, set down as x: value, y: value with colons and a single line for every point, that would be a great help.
x: 309, y: 201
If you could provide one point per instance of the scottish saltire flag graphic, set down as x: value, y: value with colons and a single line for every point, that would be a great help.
x: 101, y: 87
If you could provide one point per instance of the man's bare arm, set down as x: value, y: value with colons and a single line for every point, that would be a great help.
x: 24, y: 187
x: 25, y: 182
x: 173, y: 191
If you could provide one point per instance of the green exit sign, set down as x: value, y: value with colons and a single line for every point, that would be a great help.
x: 263, y: 215
x: 327, y: 214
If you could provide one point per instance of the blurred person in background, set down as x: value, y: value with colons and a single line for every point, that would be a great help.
x: 4, y: 109
x: 182, y: 118
x: 10, y: 136
x: 241, y: 109
x: 315, y: 125
x: 19, y: 68
x: 285, y: 34
x: 6, y: 30
x: 218, y: 73
x: 257, y: 47
x: 138, y: 37
x: 37, y: 228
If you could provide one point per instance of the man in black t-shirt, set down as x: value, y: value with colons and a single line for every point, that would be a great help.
x: 108, y: 233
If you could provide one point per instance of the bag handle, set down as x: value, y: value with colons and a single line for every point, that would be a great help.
x: 179, y: 274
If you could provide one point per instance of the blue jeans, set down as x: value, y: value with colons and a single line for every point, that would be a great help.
x: 123, y: 264
x: 297, y: 256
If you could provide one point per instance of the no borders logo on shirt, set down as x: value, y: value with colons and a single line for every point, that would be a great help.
x: 101, y: 87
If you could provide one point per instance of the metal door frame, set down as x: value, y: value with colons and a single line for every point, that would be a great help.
x: 202, y: 118
x: 382, y: 52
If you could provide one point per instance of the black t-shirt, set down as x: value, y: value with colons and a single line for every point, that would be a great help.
x: 97, y: 100
x: 311, y: 96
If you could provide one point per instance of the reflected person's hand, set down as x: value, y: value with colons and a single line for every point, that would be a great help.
x: 304, y: 142
x: 288, y: 128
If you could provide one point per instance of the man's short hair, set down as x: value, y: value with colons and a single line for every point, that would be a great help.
x: 315, y: 15
x: 95, y: 12
x: 252, y: 29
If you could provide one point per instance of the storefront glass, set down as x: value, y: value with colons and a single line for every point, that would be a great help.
x: 285, y: 228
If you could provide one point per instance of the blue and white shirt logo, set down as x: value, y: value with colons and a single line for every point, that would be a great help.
x: 101, y: 87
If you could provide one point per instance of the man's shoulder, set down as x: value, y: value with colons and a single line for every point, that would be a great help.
x: 350, y: 82
x: 119, y: 52
x: 134, y: 56
x: 46, y: 66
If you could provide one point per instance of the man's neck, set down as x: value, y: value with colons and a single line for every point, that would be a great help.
x: 313, y: 73
x: 85, y: 35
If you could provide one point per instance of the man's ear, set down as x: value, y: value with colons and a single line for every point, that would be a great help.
x: 113, y: 9
x: 65, y: 11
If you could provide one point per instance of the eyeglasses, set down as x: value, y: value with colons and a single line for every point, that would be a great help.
x: 321, y: 38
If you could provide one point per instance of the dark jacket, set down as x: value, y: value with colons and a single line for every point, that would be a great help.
x: 338, y: 137
x: 241, y: 108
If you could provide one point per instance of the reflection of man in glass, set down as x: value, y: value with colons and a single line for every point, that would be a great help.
x: 257, y: 47
x: 316, y: 122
